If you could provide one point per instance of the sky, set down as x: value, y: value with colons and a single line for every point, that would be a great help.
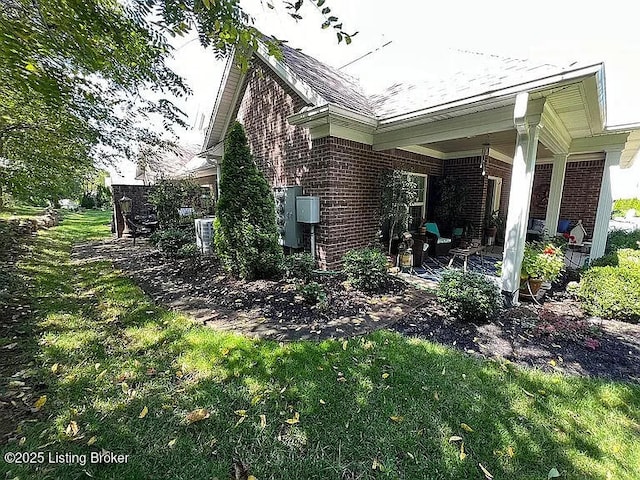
x: 551, y: 31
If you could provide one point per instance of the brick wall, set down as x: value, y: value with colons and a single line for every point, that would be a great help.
x: 540, y: 192
x: 344, y: 174
x: 352, y: 208
x: 580, y: 194
x: 467, y: 171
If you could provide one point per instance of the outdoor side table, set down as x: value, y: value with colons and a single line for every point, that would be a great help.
x: 465, y: 253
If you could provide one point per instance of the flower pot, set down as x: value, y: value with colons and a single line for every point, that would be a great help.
x: 530, y: 286
x: 490, y: 234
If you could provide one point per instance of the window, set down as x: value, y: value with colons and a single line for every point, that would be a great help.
x: 417, y: 210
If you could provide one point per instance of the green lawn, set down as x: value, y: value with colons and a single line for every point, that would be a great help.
x: 382, y: 406
x: 21, y: 211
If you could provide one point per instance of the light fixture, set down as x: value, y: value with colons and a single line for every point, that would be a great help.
x: 484, y: 158
x: 125, y: 209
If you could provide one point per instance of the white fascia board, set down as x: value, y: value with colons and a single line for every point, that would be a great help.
x: 429, y: 152
x: 307, y: 93
x: 471, y: 125
x: 224, y: 86
x: 331, y: 120
x: 571, y: 76
x: 553, y: 134
x: 599, y: 143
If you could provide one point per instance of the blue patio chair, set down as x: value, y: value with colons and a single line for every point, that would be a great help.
x: 441, y: 245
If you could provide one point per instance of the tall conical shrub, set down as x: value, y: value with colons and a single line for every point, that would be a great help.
x: 246, y: 235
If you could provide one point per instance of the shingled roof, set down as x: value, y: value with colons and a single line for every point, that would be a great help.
x: 330, y: 83
x: 436, y: 77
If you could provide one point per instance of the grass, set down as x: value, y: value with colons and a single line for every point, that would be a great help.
x: 381, y: 406
x: 21, y: 211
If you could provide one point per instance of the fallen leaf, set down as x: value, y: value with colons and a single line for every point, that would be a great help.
x: 225, y: 352
x: 72, y: 429
x: 263, y: 421
x: 462, y: 454
x: 436, y: 396
x: 242, y: 413
x: 11, y: 346
x: 553, y: 473
x: 179, y: 374
x: 376, y: 465
x: 172, y: 443
x: 197, y: 415
x: 255, y: 400
x: 397, y: 418
x: 40, y: 402
x: 466, y: 427
x: 22, y: 441
x: 144, y: 412
x: 344, y: 345
x: 528, y: 394
x: 91, y: 441
x: 294, y: 420
x: 55, y: 367
x: 251, y: 477
x: 552, y: 363
x: 385, y: 375
x: 322, y: 402
x: 455, y: 438
x: 487, y: 475
x: 125, y: 387
x: 101, y: 374
x: 510, y: 452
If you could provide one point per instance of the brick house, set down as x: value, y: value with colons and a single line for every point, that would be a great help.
x: 540, y: 130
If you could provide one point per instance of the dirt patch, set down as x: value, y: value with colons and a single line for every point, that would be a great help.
x: 556, y: 336
x: 263, y: 308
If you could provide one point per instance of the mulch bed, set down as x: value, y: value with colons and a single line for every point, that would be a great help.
x: 556, y: 336
x: 263, y: 308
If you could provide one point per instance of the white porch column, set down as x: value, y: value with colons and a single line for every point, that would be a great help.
x: 555, y: 193
x: 519, y: 197
x: 218, y: 175
x: 605, y: 205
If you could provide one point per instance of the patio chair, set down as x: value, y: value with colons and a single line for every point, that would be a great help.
x: 438, y: 245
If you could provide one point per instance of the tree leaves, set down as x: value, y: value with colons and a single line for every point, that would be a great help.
x: 144, y: 412
x: 294, y: 420
x: 40, y: 402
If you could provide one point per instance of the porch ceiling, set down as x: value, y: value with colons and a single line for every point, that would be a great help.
x: 503, y: 142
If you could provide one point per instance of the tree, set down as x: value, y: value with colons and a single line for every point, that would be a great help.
x: 398, y: 193
x: 88, y: 63
x: 246, y: 234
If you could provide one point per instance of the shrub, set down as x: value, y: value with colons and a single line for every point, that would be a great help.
x: 246, y: 236
x: 170, y: 241
x: 188, y: 250
x: 613, y: 290
x: 169, y: 195
x: 88, y: 201
x: 312, y: 292
x: 618, y: 239
x: 366, y: 268
x: 299, y: 266
x: 468, y: 296
x: 623, y: 205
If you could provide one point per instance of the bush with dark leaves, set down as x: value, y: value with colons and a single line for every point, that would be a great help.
x: 366, y: 268
x: 469, y: 296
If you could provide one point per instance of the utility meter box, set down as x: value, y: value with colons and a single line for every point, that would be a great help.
x: 290, y: 230
x: 308, y: 209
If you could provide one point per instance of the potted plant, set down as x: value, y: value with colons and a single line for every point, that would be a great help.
x: 541, y: 263
x: 491, y: 223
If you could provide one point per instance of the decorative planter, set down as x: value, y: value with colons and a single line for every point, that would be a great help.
x: 530, y: 286
x: 490, y: 234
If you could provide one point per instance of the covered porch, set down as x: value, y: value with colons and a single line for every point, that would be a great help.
x: 538, y: 151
